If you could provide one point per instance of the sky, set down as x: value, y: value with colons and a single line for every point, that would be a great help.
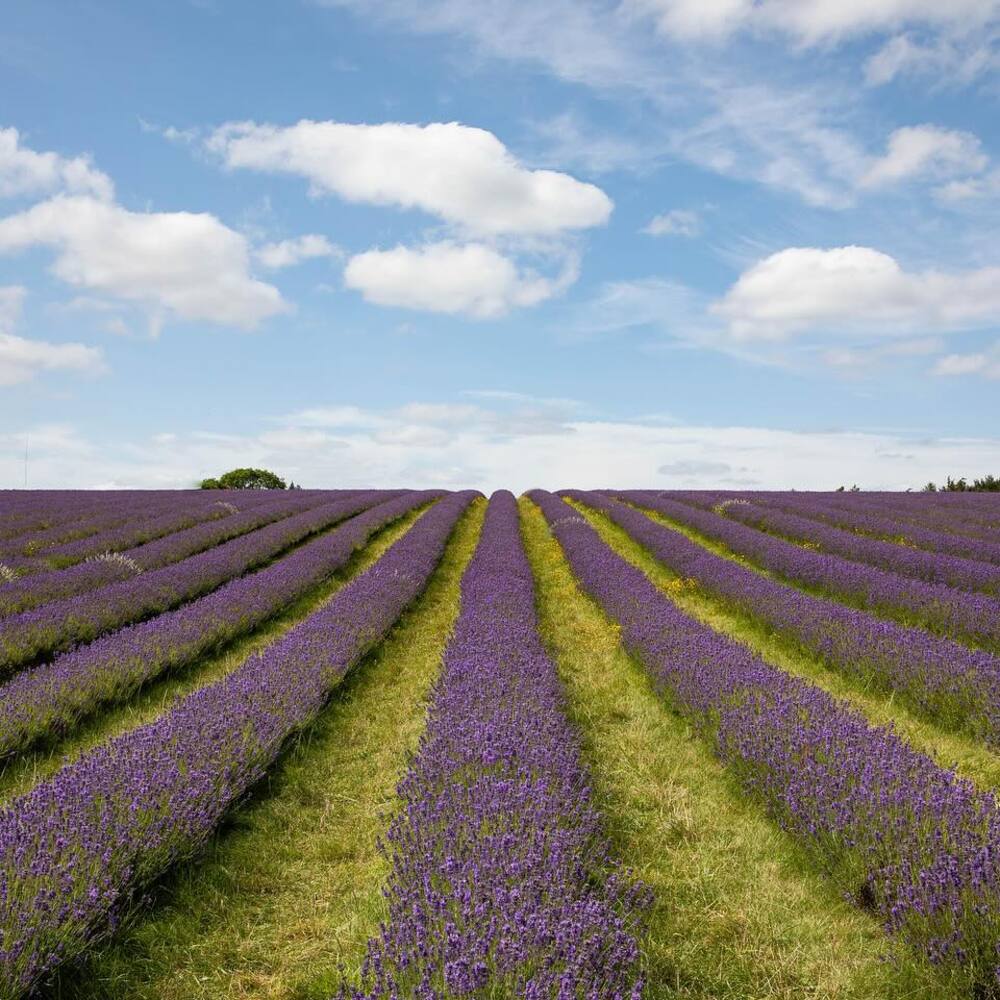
x: 455, y: 243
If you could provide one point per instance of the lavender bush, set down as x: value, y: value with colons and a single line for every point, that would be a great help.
x: 944, y: 680
x: 74, y: 849
x: 908, y: 839
x: 931, y: 567
x: 502, y: 883
x: 56, y: 626
x: 47, y: 700
x: 40, y: 588
x: 974, y: 618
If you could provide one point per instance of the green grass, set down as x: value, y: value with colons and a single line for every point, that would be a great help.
x: 740, y: 912
x: 971, y: 758
x: 22, y: 771
x: 290, y: 891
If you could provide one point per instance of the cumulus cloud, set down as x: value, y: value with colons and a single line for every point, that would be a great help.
x: 177, y: 264
x: 677, y: 222
x: 24, y: 171
x: 854, y: 289
x: 811, y: 21
x: 926, y: 150
x: 462, y: 175
x: 21, y: 359
x: 472, y: 279
x: 288, y: 253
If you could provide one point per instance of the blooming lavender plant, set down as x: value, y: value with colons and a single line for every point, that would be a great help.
x: 114, y: 512
x: 910, y: 840
x: 972, y: 617
x: 932, y: 567
x: 56, y: 626
x: 502, y: 883
x: 41, y: 588
x: 47, y: 700
x: 75, y: 849
x: 879, y: 524
x: 942, y: 679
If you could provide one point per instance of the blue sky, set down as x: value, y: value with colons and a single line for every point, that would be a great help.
x: 647, y: 243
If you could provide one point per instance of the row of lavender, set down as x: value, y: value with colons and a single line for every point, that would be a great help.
x: 28, y: 550
x: 75, y: 849
x: 24, y: 512
x: 948, y: 682
x: 970, y: 617
x: 502, y: 883
x: 46, y: 701
x: 916, y: 527
x: 116, y: 564
x: 972, y: 514
x: 906, y: 838
x: 919, y: 564
x: 55, y: 626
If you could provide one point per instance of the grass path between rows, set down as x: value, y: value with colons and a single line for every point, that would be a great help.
x: 740, y: 913
x: 969, y: 757
x: 21, y: 772
x: 291, y: 890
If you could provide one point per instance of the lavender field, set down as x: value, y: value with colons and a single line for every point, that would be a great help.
x: 588, y: 744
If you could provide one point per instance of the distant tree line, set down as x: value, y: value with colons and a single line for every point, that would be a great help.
x: 988, y: 484
x: 247, y: 479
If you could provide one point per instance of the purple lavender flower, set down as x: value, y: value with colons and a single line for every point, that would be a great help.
x: 911, y: 840
x: 43, y: 587
x: 56, y: 626
x: 76, y: 848
x: 501, y: 882
x: 48, y: 699
x: 944, y: 680
x: 974, y: 618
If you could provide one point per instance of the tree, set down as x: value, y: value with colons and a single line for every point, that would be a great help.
x: 245, y: 479
x: 988, y: 484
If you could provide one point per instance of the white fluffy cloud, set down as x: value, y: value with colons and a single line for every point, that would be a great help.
x: 22, y: 359
x: 677, y: 222
x: 926, y: 150
x: 812, y: 21
x: 462, y: 175
x: 24, y: 171
x: 178, y: 264
x: 472, y: 279
x: 288, y: 253
x: 854, y: 289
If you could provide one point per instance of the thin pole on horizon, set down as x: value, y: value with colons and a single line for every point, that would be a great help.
x: 26, y: 439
